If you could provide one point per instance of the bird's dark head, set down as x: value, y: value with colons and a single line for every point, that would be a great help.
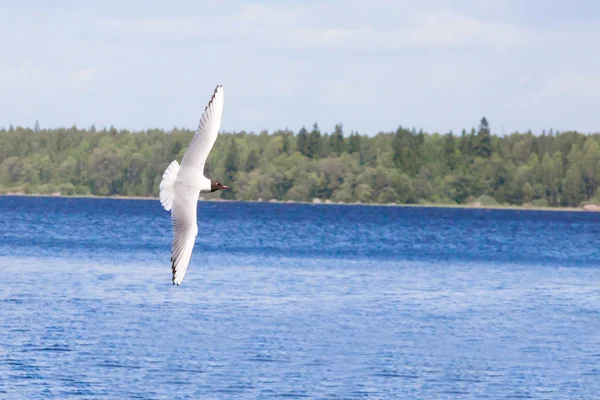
x: 215, y: 185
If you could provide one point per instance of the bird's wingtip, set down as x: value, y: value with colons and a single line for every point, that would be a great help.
x: 213, y: 96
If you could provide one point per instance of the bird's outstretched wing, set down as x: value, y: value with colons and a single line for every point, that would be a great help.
x: 207, y: 132
x: 185, y: 230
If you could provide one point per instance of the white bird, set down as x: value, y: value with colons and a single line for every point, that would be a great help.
x: 182, y: 184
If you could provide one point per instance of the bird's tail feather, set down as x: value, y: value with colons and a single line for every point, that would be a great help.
x: 167, y: 185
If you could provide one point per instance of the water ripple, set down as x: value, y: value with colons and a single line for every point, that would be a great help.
x: 297, y: 301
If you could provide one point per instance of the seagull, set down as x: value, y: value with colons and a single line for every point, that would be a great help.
x: 181, y: 185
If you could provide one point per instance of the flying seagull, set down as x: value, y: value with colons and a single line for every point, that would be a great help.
x: 182, y: 184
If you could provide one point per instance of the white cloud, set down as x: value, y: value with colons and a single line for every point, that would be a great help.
x: 575, y: 83
x: 82, y: 75
x: 169, y: 29
x: 447, y: 28
x: 295, y: 27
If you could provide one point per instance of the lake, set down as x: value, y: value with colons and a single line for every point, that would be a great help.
x: 297, y: 301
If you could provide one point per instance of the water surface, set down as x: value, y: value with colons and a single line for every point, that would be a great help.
x: 297, y: 301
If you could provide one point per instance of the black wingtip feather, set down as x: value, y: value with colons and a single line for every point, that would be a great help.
x: 213, y: 97
x: 173, y: 271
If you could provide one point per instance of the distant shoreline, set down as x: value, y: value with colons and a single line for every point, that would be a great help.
x: 426, y: 205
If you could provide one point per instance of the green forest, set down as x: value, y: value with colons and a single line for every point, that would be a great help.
x: 546, y: 169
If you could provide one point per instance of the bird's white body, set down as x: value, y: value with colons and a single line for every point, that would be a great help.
x: 182, y: 184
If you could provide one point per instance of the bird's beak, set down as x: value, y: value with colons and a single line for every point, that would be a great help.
x: 226, y: 187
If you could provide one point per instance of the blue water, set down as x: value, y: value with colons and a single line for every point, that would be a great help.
x: 297, y: 301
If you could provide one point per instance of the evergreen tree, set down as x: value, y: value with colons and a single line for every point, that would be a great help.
x: 470, y: 145
x: 175, y: 149
x: 354, y: 143
x: 573, y: 186
x: 336, y: 141
x: 464, y: 140
x: 450, y: 151
x: 547, y: 176
x: 591, y: 167
x: 314, y: 142
x: 252, y: 161
x: 302, y: 142
x: 232, y: 161
x: 483, y: 146
x: 324, y: 144
x: 558, y: 173
x: 398, y: 143
x: 406, y: 148
x: 286, y: 143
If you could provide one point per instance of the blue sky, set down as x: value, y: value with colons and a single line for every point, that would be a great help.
x: 372, y: 65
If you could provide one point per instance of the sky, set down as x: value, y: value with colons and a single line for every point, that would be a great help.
x: 436, y: 65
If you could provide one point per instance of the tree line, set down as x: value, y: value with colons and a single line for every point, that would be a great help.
x: 404, y: 166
